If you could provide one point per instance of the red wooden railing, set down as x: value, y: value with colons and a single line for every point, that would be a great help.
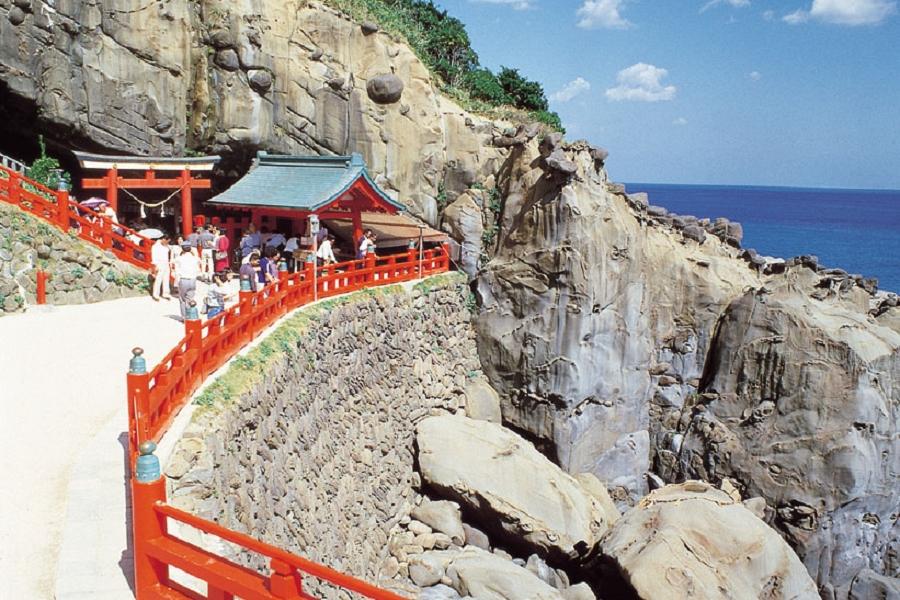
x: 56, y: 208
x: 155, y: 397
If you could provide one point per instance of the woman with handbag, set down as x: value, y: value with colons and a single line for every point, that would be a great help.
x: 222, y: 244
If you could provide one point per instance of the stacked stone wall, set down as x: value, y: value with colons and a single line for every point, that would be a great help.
x: 317, y: 457
x: 79, y: 273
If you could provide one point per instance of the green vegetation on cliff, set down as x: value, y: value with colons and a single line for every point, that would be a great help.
x: 442, y: 43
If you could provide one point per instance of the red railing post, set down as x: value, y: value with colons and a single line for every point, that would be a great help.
x: 411, y: 262
x: 41, y: 292
x: 138, y: 401
x: 15, y: 188
x: 62, y: 210
x: 310, y: 278
x: 285, y: 582
x: 148, y: 487
x: 370, y: 265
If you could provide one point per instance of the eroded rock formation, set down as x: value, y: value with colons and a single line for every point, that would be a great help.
x: 694, y: 541
x: 646, y: 347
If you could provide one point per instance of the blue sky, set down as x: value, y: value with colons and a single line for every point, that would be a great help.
x: 795, y: 93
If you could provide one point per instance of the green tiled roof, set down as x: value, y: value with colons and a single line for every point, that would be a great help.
x: 299, y: 182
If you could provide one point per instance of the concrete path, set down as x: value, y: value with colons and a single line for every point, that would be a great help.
x: 62, y: 394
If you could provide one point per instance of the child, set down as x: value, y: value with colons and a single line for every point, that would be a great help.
x: 218, y: 294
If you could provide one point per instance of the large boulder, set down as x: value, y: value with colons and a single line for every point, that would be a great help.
x: 510, y: 487
x: 482, y: 401
x: 694, y: 541
x: 385, y: 89
x: 485, y: 576
x: 442, y: 516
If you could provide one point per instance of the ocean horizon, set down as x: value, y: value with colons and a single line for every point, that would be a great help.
x: 857, y: 230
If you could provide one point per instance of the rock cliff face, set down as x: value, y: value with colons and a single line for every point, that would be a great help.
x: 631, y: 344
x: 286, y: 76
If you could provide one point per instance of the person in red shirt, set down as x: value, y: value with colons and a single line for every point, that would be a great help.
x: 222, y: 245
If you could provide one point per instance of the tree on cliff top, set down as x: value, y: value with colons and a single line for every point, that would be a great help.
x: 443, y: 43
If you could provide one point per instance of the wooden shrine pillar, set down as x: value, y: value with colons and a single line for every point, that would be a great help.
x: 357, y: 229
x: 187, y: 208
x: 112, y: 191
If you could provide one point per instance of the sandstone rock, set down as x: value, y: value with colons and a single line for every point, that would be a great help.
x: 757, y: 506
x: 464, y: 220
x: 425, y: 572
x: 599, y: 154
x: 657, y: 211
x: 639, y: 200
x: 558, y: 162
x: 505, y: 141
x: 16, y: 16
x: 228, y: 59
x: 486, y: 576
x: 869, y: 585
x: 418, y: 528
x: 385, y: 89
x: 766, y: 429
x: 550, y: 142
x: 439, y: 592
x: 443, y: 516
x: 482, y: 401
x: 598, y: 490
x: 693, y: 541
x: 579, y: 591
x: 476, y: 537
x: 509, y: 485
x: 260, y: 80
x: 693, y: 232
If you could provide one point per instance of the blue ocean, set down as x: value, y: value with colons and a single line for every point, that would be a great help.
x: 856, y: 230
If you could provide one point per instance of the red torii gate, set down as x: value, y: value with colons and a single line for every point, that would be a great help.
x: 184, y: 181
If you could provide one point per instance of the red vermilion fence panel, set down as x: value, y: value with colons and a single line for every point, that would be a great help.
x: 156, y: 397
x: 56, y: 208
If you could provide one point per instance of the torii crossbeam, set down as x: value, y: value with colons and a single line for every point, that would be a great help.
x: 185, y: 181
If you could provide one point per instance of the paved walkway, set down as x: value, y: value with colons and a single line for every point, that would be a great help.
x: 62, y: 393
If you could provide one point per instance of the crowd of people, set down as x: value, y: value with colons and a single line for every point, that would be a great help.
x: 203, y: 256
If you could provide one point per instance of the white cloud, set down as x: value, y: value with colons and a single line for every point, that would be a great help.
x: 851, y: 13
x: 641, y: 83
x: 602, y: 14
x: 768, y: 15
x: 732, y: 3
x: 516, y: 4
x: 796, y: 17
x: 571, y: 89
x: 755, y: 75
x: 680, y: 121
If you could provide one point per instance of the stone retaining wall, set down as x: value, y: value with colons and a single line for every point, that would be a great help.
x: 79, y: 273
x: 316, y: 457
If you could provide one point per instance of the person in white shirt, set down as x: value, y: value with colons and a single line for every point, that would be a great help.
x: 367, y: 244
x: 105, y: 210
x: 187, y: 269
x: 159, y: 256
x: 325, y: 253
